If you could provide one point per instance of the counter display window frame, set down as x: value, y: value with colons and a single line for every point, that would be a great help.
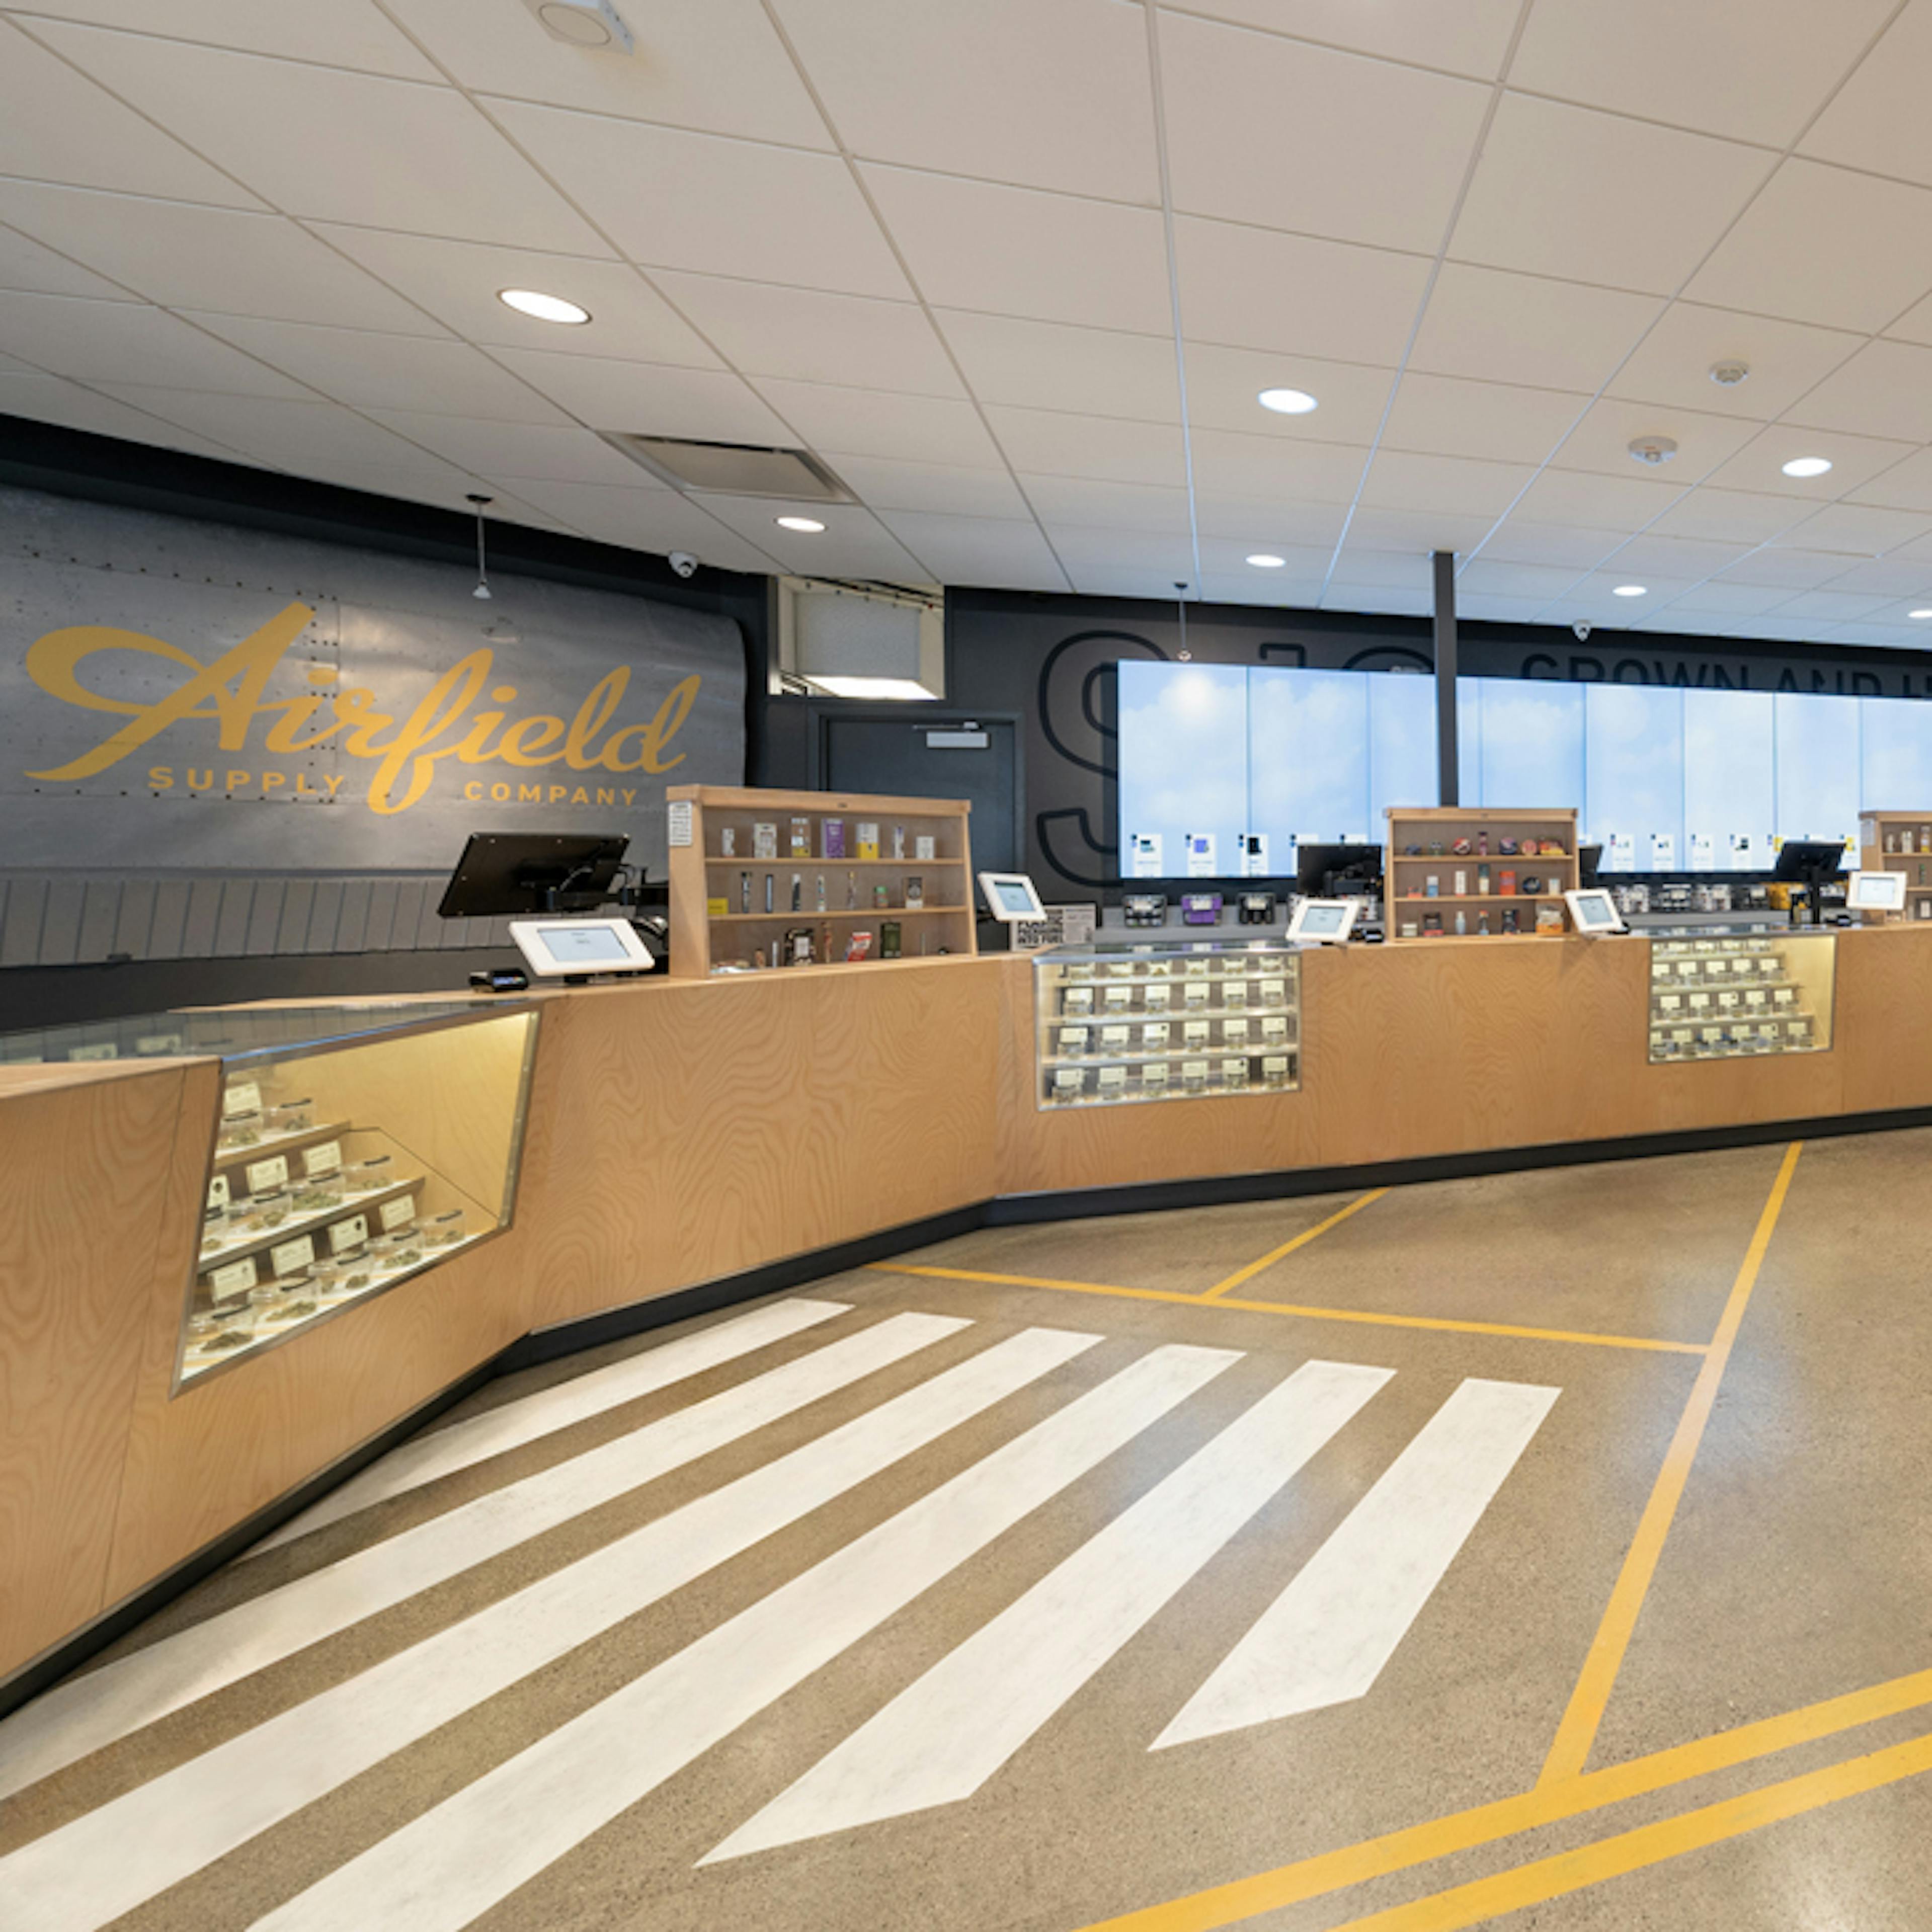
x: 1759, y: 993
x: 426, y: 1209
x: 1244, y: 995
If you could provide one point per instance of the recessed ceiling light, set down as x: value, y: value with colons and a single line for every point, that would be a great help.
x: 1287, y: 402
x: 1262, y: 561
x: 1631, y: 590
x: 810, y: 525
x: 1807, y: 465
x: 1918, y: 617
x: 545, y: 308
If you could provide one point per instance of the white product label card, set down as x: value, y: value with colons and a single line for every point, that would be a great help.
x: 1114, y: 1039
x: 1234, y: 1073
x: 1194, y: 1072
x: 325, y: 1157
x: 1069, y: 1080
x: 292, y: 1256
x: 1112, y: 1077
x: 217, y: 1191
x: 678, y: 822
x: 242, y: 1099
x: 398, y: 1213
x: 344, y: 1235
x: 235, y: 1278
x: 157, y: 1044
x: 265, y: 1176
x: 1073, y: 1039
x: 106, y: 1050
x: 1155, y: 1075
x: 1275, y: 1067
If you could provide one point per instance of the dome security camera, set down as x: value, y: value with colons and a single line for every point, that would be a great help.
x: 684, y: 563
x: 1582, y: 628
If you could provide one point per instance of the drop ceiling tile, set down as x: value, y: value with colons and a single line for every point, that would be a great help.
x: 288, y: 435
x: 1388, y: 569
x: 1904, y: 486
x: 1084, y: 503
x: 1223, y: 386
x: 52, y: 399
x: 987, y: 551
x: 1832, y: 607
x: 1049, y: 94
x: 57, y: 125
x: 1424, y: 531
x: 1795, y: 569
x: 1885, y: 389
x: 346, y: 33
x: 1471, y: 37
x: 1485, y: 576
x: 1821, y: 245
x: 1400, y: 480
x: 1672, y: 365
x: 114, y: 340
x: 1903, y: 575
x: 657, y: 520
x: 184, y: 256
x: 1489, y: 608
x: 1596, y: 595
x: 942, y: 489
x: 1107, y: 449
x: 1223, y: 557
x: 1596, y: 503
x: 1728, y: 516
x: 1083, y: 552
x: 1265, y: 589
x: 1565, y: 546
x: 1296, y: 294
x: 1729, y: 597
x: 1376, y: 152
x: 865, y: 422
x: 1856, y: 460
x: 1018, y: 251
x: 1877, y: 121
x: 1684, y: 559
x: 853, y: 543
x: 1563, y: 190
x: 718, y: 66
x: 1271, y: 523
x: 1377, y: 600
x: 710, y: 205
x: 366, y: 370
x: 1857, y: 530
x: 459, y: 282
x: 1448, y: 416
x: 1691, y: 65
x: 648, y: 398
x: 517, y: 452
x: 1122, y: 580
x: 395, y: 155
x: 1226, y: 464
x: 24, y: 265
x: 1601, y: 441
x: 1915, y: 324
x: 1504, y: 328
x: 1054, y: 365
x: 1906, y: 637
x: 815, y: 337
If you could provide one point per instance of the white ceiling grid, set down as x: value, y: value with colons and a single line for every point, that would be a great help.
x: 1015, y: 270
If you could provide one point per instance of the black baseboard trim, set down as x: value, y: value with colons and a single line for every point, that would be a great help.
x: 617, y: 1325
x: 47, y: 1669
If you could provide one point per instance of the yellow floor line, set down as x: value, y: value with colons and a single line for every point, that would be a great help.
x: 1301, y: 1240
x: 1327, y: 1872
x: 1578, y: 1731
x: 1423, y: 1321
x: 1556, y: 1877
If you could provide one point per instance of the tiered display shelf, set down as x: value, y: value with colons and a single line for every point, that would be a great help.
x: 1427, y: 883
x: 1899, y: 842
x: 1740, y: 995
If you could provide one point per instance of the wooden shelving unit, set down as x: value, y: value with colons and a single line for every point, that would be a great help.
x: 1422, y: 845
x: 710, y: 929
x: 1883, y: 848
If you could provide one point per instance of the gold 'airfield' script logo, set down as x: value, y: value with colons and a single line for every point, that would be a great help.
x: 406, y: 751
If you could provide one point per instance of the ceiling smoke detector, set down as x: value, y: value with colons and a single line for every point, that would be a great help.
x: 1654, y: 449
x: 1728, y: 374
x: 594, y: 24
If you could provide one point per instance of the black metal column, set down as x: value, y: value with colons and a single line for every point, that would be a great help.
x: 1447, y: 764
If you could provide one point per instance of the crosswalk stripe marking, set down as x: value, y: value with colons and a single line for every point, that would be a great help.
x: 449, y: 1866
x: 941, y: 1739
x: 112, y: 1859
x: 532, y: 1417
x: 81, y: 1716
x: 1325, y: 1640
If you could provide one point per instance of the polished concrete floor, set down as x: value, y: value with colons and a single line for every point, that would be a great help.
x: 1548, y: 1549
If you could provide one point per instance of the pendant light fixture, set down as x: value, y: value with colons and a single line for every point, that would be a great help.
x: 1181, y: 601
x: 482, y: 589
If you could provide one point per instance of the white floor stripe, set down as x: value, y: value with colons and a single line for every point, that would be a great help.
x: 454, y: 1862
x: 79, y: 1717
x: 110, y: 1861
x: 941, y: 1740
x: 1325, y: 1639
x: 514, y: 1423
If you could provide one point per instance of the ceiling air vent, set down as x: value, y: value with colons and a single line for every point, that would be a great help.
x: 734, y: 469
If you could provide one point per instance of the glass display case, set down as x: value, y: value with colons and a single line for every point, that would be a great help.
x: 1120, y: 1022
x: 357, y: 1146
x: 1739, y: 994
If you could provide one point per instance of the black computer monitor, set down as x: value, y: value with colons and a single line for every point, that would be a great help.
x: 502, y: 875
x: 1802, y: 862
x: 1589, y: 858
x: 1336, y: 872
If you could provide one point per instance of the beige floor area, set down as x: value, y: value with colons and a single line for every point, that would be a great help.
x: 1546, y: 1550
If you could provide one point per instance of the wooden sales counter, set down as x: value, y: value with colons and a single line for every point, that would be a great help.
x: 686, y: 1142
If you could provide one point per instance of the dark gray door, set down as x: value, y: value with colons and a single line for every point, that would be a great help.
x: 905, y: 750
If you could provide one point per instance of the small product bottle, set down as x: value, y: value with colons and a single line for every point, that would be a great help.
x: 1461, y: 885
x: 851, y: 892
x: 798, y: 892
x: 1461, y: 922
x: 1482, y: 844
x: 1483, y: 877
x: 744, y: 892
x: 821, y: 891
x: 1482, y: 924
x: 1432, y: 887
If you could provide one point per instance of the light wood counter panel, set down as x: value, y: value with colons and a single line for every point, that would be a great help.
x: 82, y: 1220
